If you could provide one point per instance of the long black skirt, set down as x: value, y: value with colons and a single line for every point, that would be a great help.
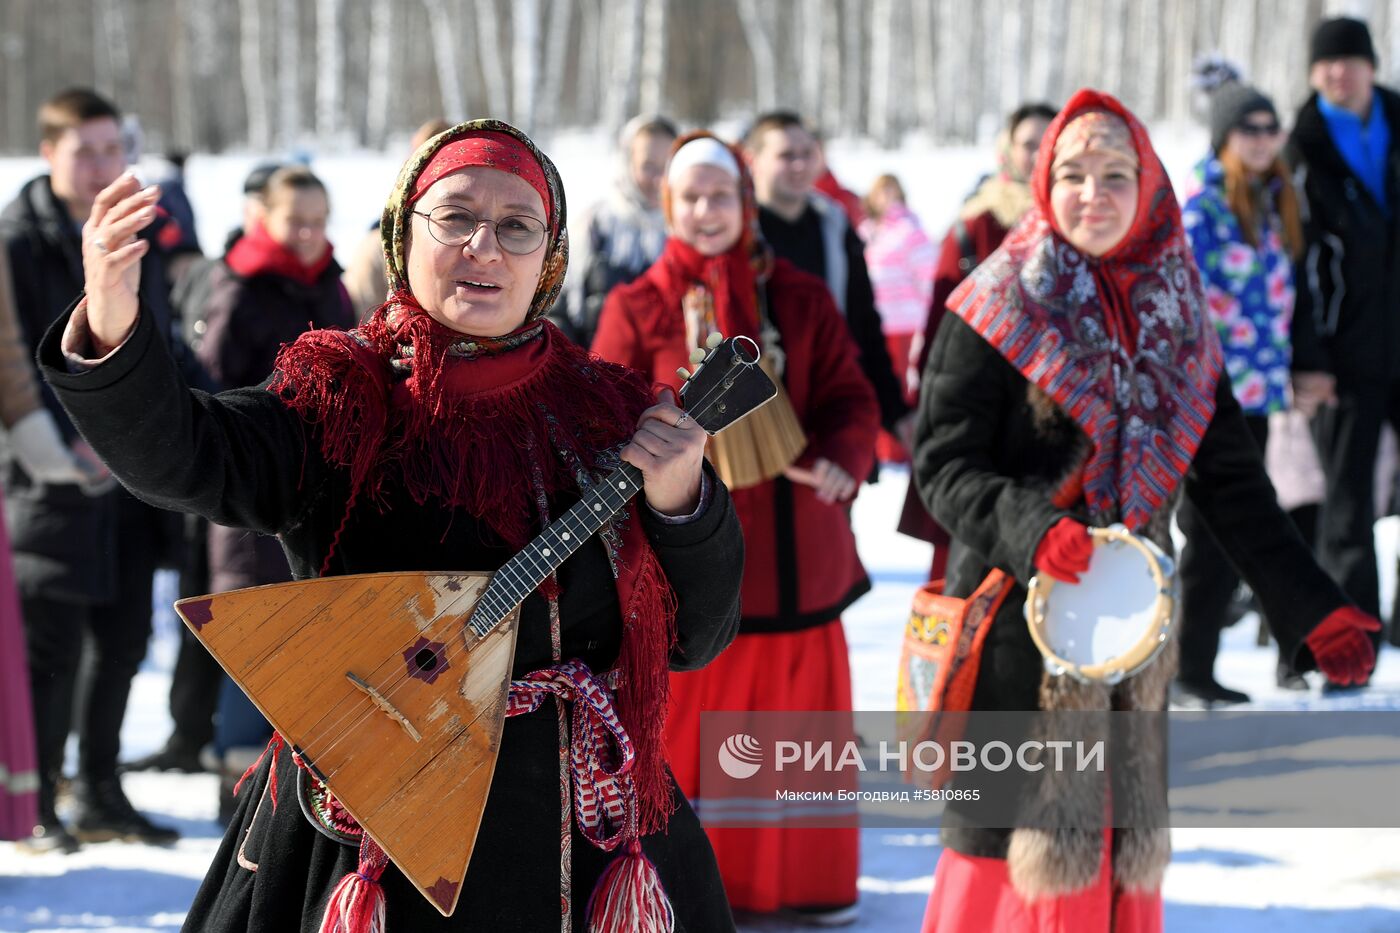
x: 512, y: 882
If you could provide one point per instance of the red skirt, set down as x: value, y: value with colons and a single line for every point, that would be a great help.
x: 972, y: 894
x: 767, y: 866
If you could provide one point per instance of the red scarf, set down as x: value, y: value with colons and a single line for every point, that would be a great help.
x: 257, y: 253
x: 730, y: 279
x: 486, y: 425
x: 1120, y: 342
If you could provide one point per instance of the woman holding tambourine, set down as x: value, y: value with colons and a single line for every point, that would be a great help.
x: 1076, y: 384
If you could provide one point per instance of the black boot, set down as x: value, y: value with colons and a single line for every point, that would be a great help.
x: 1289, y: 679
x: 176, y: 755
x: 1205, y: 694
x: 104, y: 814
x: 50, y: 835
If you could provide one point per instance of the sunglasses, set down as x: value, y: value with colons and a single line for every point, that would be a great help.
x: 1259, y: 129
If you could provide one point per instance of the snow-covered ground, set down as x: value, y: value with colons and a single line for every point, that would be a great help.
x: 1254, y: 881
x: 1251, y: 881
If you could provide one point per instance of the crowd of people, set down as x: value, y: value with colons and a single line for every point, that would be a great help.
x: 1080, y: 349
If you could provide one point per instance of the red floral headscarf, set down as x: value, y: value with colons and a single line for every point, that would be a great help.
x: 1119, y: 342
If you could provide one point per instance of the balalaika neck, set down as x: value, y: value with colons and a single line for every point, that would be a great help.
x: 520, y: 575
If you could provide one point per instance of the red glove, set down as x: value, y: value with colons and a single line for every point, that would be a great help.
x: 1340, y: 645
x: 1065, y: 550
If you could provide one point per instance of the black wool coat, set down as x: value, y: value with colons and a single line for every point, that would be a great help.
x: 990, y: 451
x: 1347, y: 318
x: 242, y: 458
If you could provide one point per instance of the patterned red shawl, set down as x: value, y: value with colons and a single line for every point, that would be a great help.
x: 1121, y: 343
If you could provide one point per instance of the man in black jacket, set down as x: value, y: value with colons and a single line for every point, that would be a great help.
x: 811, y: 231
x: 1345, y: 149
x: 83, y: 563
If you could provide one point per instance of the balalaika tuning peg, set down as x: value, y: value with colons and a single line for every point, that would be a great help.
x: 714, y: 340
x: 682, y: 372
x: 697, y: 355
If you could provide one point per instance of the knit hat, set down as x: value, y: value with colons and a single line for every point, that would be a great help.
x: 256, y: 182
x: 1342, y: 37
x: 1230, y: 103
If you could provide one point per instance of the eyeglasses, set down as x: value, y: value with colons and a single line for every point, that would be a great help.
x: 451, y: 225
x: 1259, y: 129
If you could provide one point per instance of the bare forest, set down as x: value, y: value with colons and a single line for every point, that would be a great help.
x: 208, y: 75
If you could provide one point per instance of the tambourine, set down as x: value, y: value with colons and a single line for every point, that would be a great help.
x: 1115, y: 620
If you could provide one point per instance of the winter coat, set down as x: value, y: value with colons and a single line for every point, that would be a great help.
x: 243, y: 458
x: 65, y: 543
x: 801, y: 567
x: 624, y: 237
x: 901, y: 260
x: 247, y: 322
x: 19, y: 392
x: 1347, y: 318
x: 990, y: 453
x: 986, y: 217
x: 822, y: 242
x: 364, y: 274
x: 1249, y: 290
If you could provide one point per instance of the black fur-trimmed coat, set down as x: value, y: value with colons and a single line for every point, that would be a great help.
x: 990, y: 450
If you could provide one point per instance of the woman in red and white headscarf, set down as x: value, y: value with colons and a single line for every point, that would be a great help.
x: 440, y: 435
x: 1076, y: 382
x: 801, y: 569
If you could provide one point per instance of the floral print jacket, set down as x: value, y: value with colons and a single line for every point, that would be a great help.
x: 1249, y: 291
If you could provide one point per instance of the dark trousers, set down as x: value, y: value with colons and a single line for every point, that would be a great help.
x: 1348, y: 438
x: 118, y: 633
x: 1208, y: 581
x: 194, y: 684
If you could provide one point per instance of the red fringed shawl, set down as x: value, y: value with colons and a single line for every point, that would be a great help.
x: 1120, y: 342
x: 486, y: 425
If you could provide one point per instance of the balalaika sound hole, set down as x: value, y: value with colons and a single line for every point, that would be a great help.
x: 426, y: 660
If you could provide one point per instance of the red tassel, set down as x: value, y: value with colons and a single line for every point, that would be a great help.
x: 274, y: 745
x: 628, y: 897
x: 357, y: 903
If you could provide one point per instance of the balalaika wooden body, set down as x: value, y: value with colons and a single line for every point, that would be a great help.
x: 392, y: 687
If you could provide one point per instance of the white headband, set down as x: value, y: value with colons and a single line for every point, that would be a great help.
x: 703, y: 151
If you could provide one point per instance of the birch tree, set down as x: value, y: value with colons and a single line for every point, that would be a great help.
x: 380, y: 78
x: 625, y: 68
x: 830, y: 78
x: 652, y: 97
x: 765, y: 60
x: 882, y: 25
x: 330, y: 70
x: 810, y: 22
x: 488, y: 54
x: 555, y: 57
x: 288, y: 59
x: 525, y: 62
x: 925, y: 75
x: 445, y: 59
x: 255, y: 98
x: 852, y: 44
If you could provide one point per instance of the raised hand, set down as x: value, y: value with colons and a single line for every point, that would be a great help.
x: 668, y: 448
x: 112, y: 258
